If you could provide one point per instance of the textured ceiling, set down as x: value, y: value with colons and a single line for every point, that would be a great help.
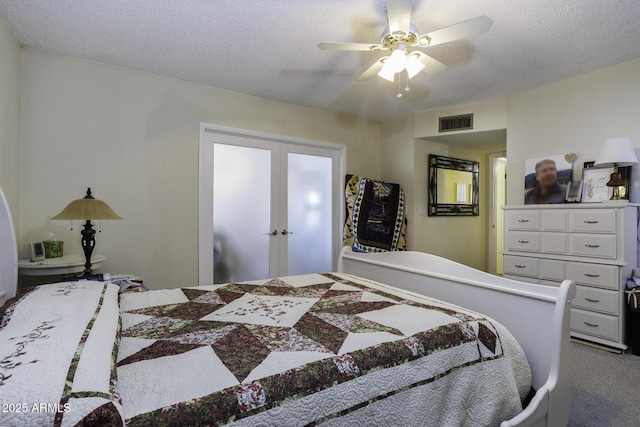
x: 269, y: 48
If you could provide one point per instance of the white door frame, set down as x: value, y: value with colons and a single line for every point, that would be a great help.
x: 493, y: 212
x: 205, y: 189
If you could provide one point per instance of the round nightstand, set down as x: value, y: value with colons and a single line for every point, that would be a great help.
x: 68, y: 264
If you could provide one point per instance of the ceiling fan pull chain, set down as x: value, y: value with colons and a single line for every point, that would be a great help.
x: 399, y: 95
x: 407, y: 88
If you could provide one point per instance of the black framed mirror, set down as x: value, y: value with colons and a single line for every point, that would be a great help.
x: 453, y: 187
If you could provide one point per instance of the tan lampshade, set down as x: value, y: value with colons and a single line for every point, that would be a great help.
x: 87, y: 208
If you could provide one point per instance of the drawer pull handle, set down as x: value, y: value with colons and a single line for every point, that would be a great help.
x: 523, y: 220
x: 592, y: 300
x: 591, y: 222
x: 593, y: 325
x: 523, y: 241
x: 520, y: 266
x: 591, y: 275
x: 593, y: 246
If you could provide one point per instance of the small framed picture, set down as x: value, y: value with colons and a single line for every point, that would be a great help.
x: 625, y: 173
x: 574, y: 192
x: 37, y: 251
x: 461, y: 193
x: 594, y: 187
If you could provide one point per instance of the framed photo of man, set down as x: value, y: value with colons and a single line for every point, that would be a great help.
x: 546, y: 180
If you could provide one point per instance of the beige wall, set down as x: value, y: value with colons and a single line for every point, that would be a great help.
x: 487, y: 116
x: 397, y: 150
x: 461, y: 239
x: 133, y: 138
x: 574, y: 115
x: 10, y: 66
x: 405, y: 151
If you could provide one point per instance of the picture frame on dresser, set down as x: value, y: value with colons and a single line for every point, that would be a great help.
x: 625, y: 173
x: 595, y: 188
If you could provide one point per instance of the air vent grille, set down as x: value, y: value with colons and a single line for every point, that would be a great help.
x: 451, y: 123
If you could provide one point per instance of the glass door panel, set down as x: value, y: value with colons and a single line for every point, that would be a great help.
x: 309, y: 214
x: 241, y: 213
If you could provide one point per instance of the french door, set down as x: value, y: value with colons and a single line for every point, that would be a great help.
x: 269, y: 206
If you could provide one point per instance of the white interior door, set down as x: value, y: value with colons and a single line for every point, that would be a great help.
x: 267, y: 207
x: 242, y: 210
x: 309, y: 220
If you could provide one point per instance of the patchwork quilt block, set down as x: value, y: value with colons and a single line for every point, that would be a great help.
x: 304, y: 349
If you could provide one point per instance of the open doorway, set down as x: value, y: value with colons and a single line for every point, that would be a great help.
x: 497, y: 199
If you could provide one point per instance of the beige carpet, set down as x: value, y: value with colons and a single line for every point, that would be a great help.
x: 606, y: 388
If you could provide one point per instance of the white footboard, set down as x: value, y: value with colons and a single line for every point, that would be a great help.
x: 537, y: 316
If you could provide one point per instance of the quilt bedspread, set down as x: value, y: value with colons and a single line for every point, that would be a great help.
x: 329, y: 349
x: 58, y: 347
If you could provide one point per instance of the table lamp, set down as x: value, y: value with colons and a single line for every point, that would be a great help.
x: 616, y: 152
x: 86, y: 209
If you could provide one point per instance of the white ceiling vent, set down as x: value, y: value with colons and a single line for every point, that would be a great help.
x: 451, y: 123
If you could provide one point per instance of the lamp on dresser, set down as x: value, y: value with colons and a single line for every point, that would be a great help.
x: 616, y: 152
x: 87, y: 209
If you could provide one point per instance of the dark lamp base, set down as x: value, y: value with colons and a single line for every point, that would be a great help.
x: 88, y: 242
x: 616, y: 182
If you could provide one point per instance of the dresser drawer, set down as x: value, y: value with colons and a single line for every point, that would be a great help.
x: 593, y: 221
x: 528, y: 241
x: 596, y: 299
x: 593, y: 245
x: 555, y: 243
x: 520, y: 266
x: 596, y: 324
x: 551, y: 269
x: 522, y: 220
x: 555, y: 220
x: 602, y: 276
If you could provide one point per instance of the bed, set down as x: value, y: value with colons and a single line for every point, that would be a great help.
x: 359, y: 346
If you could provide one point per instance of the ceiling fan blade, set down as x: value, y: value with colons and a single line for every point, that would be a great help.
x: 350, y: 46
x: 431, y: 66
x: 472, y: 27
x: 373, y: 70
x: 399, y: 15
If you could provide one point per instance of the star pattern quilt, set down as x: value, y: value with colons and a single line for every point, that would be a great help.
x: 320, y: 349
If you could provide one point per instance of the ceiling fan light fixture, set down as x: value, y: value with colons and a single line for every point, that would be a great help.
x: 401, y: 35
x: 398, y: 60
x: 414, y: 66
x: 387, y: 72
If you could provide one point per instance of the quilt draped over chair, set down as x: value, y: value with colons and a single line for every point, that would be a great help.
x: 375, y: 220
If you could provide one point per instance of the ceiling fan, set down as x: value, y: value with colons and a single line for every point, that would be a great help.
x: 401, y: 36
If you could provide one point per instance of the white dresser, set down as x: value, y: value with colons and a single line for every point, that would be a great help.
x: 593, y: 244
